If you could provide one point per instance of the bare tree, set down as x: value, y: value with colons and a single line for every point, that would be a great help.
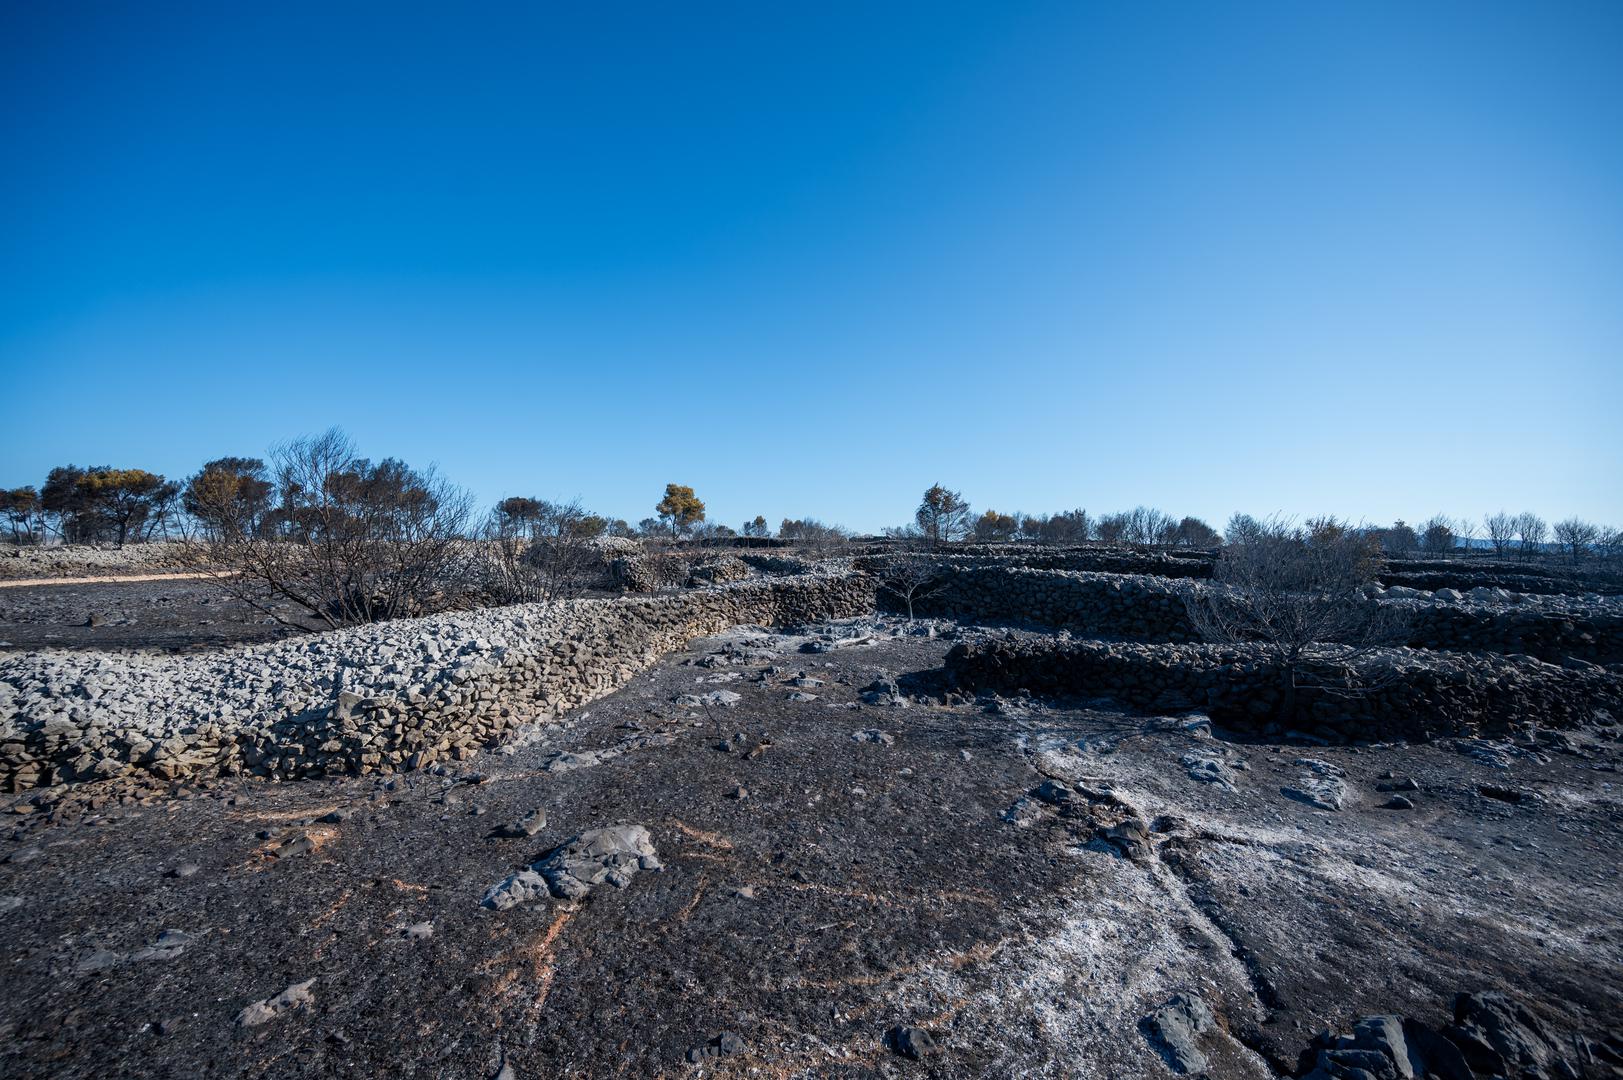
x: 910, y: 578
x: 1242, y: 528
x: 1298, y: 594
x: 1501, y: 529
x: 1610, y: 544
x: 1577, y: 537
x: 1147, y: 525
x: 1530, y: 532
x: 349, y: 540
x: 1112, y: 528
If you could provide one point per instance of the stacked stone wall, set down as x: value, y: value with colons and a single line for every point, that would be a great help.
x: 550, y: 660
x: 1393, y: 694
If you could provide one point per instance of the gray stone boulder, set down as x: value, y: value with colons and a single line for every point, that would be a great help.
x: 523, y: 887
x: 614, y: 855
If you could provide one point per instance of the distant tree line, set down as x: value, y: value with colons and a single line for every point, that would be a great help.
x: 232, y: 498
x: 943, y: 516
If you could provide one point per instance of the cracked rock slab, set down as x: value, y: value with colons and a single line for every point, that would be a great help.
x: 1174, y: 1029
x: 1322, y: 786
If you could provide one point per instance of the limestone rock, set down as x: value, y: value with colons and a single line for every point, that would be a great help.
x: 296, y: 996
x: 614, y: 855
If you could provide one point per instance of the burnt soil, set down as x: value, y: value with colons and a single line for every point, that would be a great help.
x: 176, y: 615
x: 854, y: 886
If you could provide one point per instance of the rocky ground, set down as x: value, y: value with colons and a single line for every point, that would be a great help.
x: 831, y: 883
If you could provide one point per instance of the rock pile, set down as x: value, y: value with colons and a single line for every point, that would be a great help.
x: 612, y: 856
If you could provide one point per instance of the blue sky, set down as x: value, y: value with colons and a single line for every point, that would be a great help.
x: 1360, y: 258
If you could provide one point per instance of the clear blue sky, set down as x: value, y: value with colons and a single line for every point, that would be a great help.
x: 1364, y: 258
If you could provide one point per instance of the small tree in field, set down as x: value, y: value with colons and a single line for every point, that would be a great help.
x: 1147, y: 525
x: 1195, y: 533
x: 758, y: 527
x: 910, y: 578
x: 229, y: 496
x: 1112, y: 528
x: 680, y: 509
x: 1242, y: 528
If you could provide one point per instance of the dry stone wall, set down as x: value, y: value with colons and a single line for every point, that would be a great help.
x: 1393, y: 694
x: 1106, y: 605
x: 395, y: 696
x: 1154, y: 609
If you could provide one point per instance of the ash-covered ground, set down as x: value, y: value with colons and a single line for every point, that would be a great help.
x: 169, y: 614
x: 848, y: 878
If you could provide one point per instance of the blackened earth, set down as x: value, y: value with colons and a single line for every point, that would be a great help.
x: 845, y: 882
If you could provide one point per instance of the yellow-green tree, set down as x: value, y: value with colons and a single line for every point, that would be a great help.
x: 995, y: 526
x: 680, y: 509
x: 229, y: 496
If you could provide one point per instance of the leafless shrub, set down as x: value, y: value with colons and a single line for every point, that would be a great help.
x: 1298, y: 593
x: 817, y: 540
x: 349, y: 540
